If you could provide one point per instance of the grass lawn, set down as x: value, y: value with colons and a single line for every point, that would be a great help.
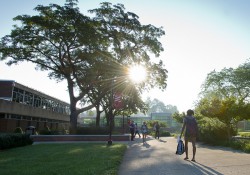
x: 62, y: 159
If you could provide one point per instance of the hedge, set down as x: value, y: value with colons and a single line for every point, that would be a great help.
x: 14, y: 140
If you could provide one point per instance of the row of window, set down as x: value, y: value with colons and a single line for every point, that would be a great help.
x: 24, y: 97
x: 29, y: 118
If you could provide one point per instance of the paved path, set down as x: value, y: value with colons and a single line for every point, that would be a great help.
x: 157, y: 157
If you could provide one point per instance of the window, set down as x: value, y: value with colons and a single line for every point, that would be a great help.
x: 37, y: 101
x: 18, y: 95
x: 28, y: 98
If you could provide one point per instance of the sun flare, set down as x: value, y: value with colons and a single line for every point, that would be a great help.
x: 137, y: 73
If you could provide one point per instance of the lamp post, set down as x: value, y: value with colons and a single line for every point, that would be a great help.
x: 110, y: 113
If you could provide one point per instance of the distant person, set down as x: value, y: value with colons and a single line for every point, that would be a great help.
x: 132, y: 130
x: 137, y: 130
x: 157, y: 130
x: 191, y: 131
x: 144, y: 131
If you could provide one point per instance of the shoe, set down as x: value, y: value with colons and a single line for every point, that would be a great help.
x: 186, y: 158
x: 193, y: 160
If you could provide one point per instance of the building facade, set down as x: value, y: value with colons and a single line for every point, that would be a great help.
x: 21, y: 106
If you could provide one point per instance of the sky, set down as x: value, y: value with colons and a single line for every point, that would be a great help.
x: 201, y: 36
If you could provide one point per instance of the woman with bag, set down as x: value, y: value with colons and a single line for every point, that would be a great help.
x: 191, y: 131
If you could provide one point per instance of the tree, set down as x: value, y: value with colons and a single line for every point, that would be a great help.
x: 178, y: 117
x: 156, y: 105
x: 226, y: 95
x: 130, y: 43
x: 74, y: 47
x: 59, y: 40
x: 230, y: 82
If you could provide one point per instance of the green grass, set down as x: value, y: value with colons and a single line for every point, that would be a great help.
x: 62, y: 159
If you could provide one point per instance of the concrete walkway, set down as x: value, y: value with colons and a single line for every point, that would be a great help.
x: 157, y: 157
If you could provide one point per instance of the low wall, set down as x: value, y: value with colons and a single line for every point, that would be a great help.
x: 240, y: 138
x: 55, y: 138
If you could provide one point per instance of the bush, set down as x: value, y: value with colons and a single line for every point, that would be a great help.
x: 244, y: 134
x: 93, y: 130
x: 243, y: 145
x: 18, y: 130
x: 45, y: 131
x: 165, y: 134
x: 213, y: 131
x: 14, y: 140
x: 162, y: 133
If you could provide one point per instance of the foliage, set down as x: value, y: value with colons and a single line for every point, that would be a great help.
x: 178, y: 117
x: 162, y: 133
x: 14, y: 140
x: 45, y: 131
x: 93, y: 130
x: 156, y: 105
x: 243, y: 145
x: 64, y: 159
x: 213, y: 131
x: 226, y: 96
x: 18, y: 130
x: 131, y: 43
x: 244, y: 134
x: 230, y: 82
x: 227, y: 110
x: 165, y: 134
x: 151, y: 123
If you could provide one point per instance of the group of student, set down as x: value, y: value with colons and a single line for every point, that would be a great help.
x: 189, y: 130
x: 134, y: 129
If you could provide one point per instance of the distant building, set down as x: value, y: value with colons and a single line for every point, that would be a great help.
x: 21, y: 106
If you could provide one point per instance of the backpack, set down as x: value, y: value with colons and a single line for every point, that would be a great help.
x: 180, y: 148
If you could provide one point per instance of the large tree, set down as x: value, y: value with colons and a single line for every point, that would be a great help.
x: 230, y: 82
x: 59, y: 40
x: 130, y: 43
x: 74, y: 47
x: 226, y: 95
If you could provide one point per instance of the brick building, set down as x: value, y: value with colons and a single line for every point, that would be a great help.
x: 21, y: 106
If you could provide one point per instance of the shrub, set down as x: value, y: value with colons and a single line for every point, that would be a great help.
x: 244, y: 134
x: 45, y: 131
x: 18, y: 130
x: 162, y: 133
x: 165, y: 134
x: 243, y: 145
x: 14, y: 140
x: 213, y: 131
x: 93, y: 130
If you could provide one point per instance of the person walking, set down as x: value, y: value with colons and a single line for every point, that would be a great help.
x: 137, y: 130
x: 144, y: 131
x: 191, y: 131
x: 132, y: 130
x: 157, y: 130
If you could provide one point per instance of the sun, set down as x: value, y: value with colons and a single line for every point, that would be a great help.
x: 137, y: 73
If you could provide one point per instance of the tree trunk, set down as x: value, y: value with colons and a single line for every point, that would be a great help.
x: 73, y: 110
x: 73, y: 119
x: 228, y: 132
x: 98, y: 116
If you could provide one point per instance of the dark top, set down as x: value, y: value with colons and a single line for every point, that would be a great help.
x: 191, y: 126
